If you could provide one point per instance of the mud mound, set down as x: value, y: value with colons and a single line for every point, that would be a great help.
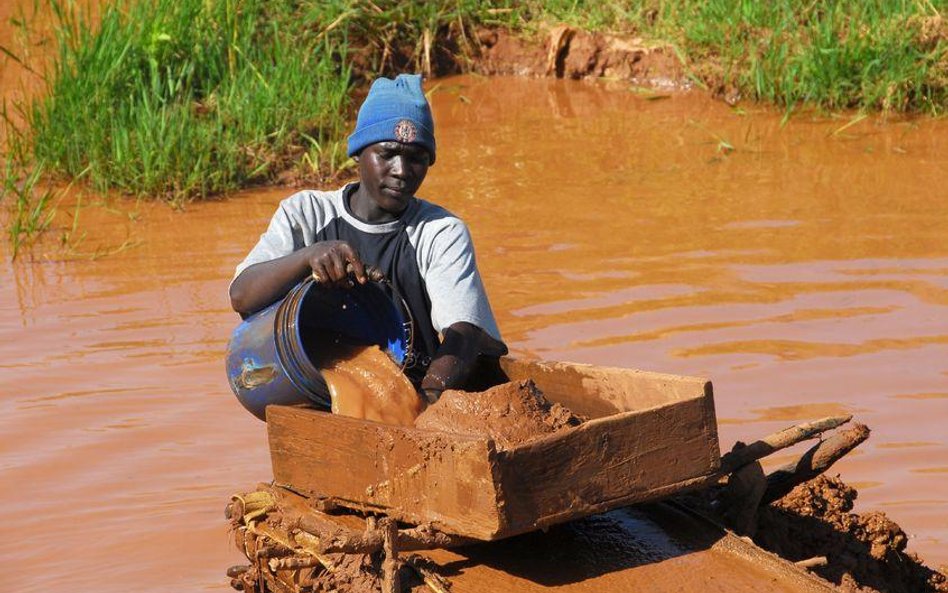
x: 511, y: 414
x: 864, y: 552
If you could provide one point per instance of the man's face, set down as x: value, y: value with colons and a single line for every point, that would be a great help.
x: 391, y: 173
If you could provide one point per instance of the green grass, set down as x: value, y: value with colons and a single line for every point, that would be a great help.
x: 834, y: 54
x: 189, y: 98
x: 183, y: 99
x: 31, y: 213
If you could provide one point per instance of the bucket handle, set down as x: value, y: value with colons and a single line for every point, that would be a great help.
x: 374, y: 274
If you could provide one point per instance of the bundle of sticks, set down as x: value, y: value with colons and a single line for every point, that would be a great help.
x: 290, y: 542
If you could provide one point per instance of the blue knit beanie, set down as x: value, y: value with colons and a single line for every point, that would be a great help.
x: 394, y: 110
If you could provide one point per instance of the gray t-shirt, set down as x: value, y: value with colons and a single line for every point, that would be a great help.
x: 427, y: 254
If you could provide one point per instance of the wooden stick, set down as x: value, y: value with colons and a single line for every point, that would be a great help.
x: 779, y: 440
x: 310, y: 543
x: 434, y: 581
x: 815, y: 562
x: 390, y: 580
x: 334, y: 539
x: 814, y: 462
x: 274, y: 584
x: 273, y: 551
x: 293, y: 563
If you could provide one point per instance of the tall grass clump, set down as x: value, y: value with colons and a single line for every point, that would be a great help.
x: 873, y: 54
x: 30, y: 204
x: 184, y: 98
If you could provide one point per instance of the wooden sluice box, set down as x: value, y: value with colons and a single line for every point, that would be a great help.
x: 647, y: 436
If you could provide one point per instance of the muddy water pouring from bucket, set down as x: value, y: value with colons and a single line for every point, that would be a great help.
x: 364, y: 382
x: 334, y: 348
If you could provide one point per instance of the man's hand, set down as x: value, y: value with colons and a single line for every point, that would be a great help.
x: 457, y: 356
x: 332, y: 262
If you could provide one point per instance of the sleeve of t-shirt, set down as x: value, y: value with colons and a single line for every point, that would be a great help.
x: 454, y: 285
x: 285, y: 234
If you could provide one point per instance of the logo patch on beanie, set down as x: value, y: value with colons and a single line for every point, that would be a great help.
x: 405, y: 131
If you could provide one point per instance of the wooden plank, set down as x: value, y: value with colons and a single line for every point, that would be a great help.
x: 608, y: 462
x: 412, y: 475
x: 596, y: 392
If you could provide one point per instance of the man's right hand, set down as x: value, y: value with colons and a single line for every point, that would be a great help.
x: 331, y: 262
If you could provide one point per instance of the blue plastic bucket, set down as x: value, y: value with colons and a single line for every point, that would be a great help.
x: 271, y: 353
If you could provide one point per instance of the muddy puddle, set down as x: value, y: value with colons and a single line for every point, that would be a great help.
x: 801, y: 267
x: 623, y: 550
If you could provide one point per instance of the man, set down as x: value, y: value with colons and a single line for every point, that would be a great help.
x: 424, y: 250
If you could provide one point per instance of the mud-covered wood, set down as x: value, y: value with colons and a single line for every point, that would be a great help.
x: 595, y: 391
x: 651, y: 435
x: 607, y: 462
x: 814, y: 461
x: 411, y: 475
x: 744, y: 454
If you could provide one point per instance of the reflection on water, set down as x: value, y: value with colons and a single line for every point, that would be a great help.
x: 805, y: 272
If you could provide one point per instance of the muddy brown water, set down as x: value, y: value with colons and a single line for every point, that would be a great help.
x: 364, y: 383
x: 805, y: 272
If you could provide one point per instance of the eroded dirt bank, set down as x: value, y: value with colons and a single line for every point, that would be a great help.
x: 816, y: 525
x: 864, y: 551
x: 568, y: 52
